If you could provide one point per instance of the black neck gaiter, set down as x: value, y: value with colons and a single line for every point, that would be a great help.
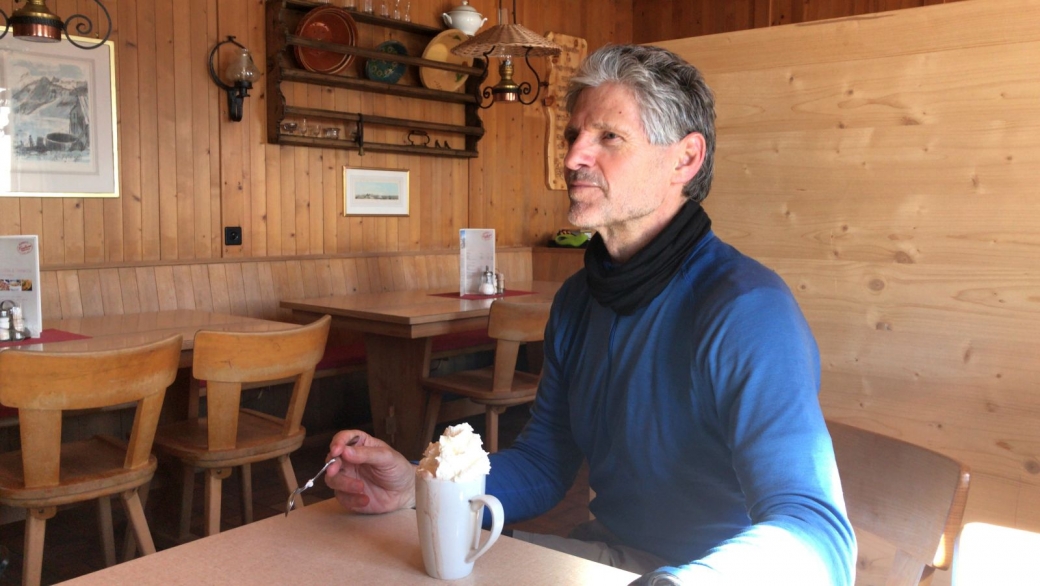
x: 627, y: 287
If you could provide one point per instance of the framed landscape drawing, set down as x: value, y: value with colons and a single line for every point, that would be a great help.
x: 57, y: 120
x: 375, y: 192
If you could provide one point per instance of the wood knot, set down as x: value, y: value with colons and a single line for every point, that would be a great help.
x: 876, y: 284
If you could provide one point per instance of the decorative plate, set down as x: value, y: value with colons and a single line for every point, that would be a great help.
x: 329, y: 24
x: 439, y: 49
x: 386, y: 71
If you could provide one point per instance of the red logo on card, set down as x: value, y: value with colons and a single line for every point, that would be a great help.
x: 25, y: 246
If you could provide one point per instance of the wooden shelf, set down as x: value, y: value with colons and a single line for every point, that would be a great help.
x: 281, y: 68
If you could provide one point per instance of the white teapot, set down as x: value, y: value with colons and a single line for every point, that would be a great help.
x: 465, y: 18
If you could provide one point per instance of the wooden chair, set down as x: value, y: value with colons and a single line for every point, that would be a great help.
x: 230, y: 436
x: 905, y: 494
x: 499, y: 386
x: 47, y: 473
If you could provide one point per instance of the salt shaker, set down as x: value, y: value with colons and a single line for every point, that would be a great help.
x: 487, y: 283
x: 5, y: 325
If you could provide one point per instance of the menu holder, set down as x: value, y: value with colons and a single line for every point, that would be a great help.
x: 476, y: 255
x: 20, y: 281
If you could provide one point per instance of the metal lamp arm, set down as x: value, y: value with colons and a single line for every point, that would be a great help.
x: 84, y: 26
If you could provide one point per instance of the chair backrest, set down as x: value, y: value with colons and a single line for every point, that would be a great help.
x: 225, y: 360
x: 911, y: 497
x: 43, y: 384
x: 512, y: 323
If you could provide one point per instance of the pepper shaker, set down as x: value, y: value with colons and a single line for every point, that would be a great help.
x: 500, y: 283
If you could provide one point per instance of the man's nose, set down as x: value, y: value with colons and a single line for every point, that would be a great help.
x: 579, y: 155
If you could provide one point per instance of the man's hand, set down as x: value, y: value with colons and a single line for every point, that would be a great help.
x: 370, y: 476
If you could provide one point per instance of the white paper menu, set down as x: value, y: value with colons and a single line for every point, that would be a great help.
x: 20, y: 278
x: 476, y: 254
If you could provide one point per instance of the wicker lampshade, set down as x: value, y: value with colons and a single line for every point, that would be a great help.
x: 507, y: 40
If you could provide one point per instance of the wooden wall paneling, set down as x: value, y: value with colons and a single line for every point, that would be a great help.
x: 288, y: 198
x: 112, y: 209
x: 272, y: 223
x: 165, y: 287
x: 185, y: 289
x: 236, y: 288
x: 315, y: 183
x: 234, y: 20
x: 301, y: 184
x: 147, y: 244
x: 50, y: 295
x: 202, y: 287
x: 10, y: 215
x: 255, y: 183
x: 147, y: 287
x: 69, y: 294
x: 90, y: 295
x: 72, y: 229
x: 111, y: 291
x: 164, y: 71
x: 329, y: 182
x: 886, y: 176
x: 268, y: 298
x: 216, y: 279
x: 296, y: 280
x: 188, y: 199
x: 204, y: 146
x: 252, y: 289
x: 128, y: 287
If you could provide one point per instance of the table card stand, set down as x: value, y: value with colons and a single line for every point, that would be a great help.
x: 476, y: 255
x: 20, y: 280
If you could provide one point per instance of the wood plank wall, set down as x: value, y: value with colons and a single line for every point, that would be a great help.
x: 889, y: 176
x: 187, y: 171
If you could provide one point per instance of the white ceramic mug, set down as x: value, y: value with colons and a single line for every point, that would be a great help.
x: 449, y: 516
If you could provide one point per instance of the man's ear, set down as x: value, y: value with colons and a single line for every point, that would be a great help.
x: 690, y: 156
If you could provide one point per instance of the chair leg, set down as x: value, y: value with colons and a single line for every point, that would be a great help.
x: 187, y: 496
x: 433, y: 410
x: 289, y: 476
x: 245, y: 474
x: 129, y: 542
x: 491, y: 427
x: 214, y: 482
x: 133, y: 502
x: 35, y: 528
x: 108, y: 540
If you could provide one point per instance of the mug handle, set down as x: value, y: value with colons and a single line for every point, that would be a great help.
x: 477, y: 503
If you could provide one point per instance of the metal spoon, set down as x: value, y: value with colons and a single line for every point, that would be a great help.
x: 292, y: 497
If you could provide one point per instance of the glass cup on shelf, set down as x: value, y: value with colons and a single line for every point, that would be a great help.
x: 397, y: 9
x: 408, y: 12
x: 384, y: 9
x: 366, y: 6
x: 350, y: 4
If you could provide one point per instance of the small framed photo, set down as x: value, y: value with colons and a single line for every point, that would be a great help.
x: 375, y: 192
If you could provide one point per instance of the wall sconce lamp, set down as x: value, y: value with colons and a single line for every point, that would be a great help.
x: 36, y: 22
x: 241, y: 73
x: 507, y: 40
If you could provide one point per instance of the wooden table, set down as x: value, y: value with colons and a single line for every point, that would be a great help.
x: 323, y: 543
x: 397, y: 328
x: 119, y: 331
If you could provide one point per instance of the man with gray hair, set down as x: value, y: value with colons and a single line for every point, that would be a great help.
x: 680, y: 369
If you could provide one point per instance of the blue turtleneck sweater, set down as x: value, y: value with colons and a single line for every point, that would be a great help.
x: 699, y: 418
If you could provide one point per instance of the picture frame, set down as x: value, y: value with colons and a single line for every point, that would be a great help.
x: 58, y: 135
x: 375, y: 192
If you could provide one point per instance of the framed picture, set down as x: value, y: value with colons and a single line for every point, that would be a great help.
x: 58, y: 120
x: 375, y: 192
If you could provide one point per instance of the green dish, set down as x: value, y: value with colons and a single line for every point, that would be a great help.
x: 386, y: 71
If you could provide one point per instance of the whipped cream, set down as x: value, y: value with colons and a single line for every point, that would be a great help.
x: 456, y: 456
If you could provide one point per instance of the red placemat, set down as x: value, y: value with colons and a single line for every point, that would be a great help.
x: 49, y: 335
x: 508, y: 293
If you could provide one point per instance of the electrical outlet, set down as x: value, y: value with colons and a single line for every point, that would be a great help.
x: 233, y: 236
